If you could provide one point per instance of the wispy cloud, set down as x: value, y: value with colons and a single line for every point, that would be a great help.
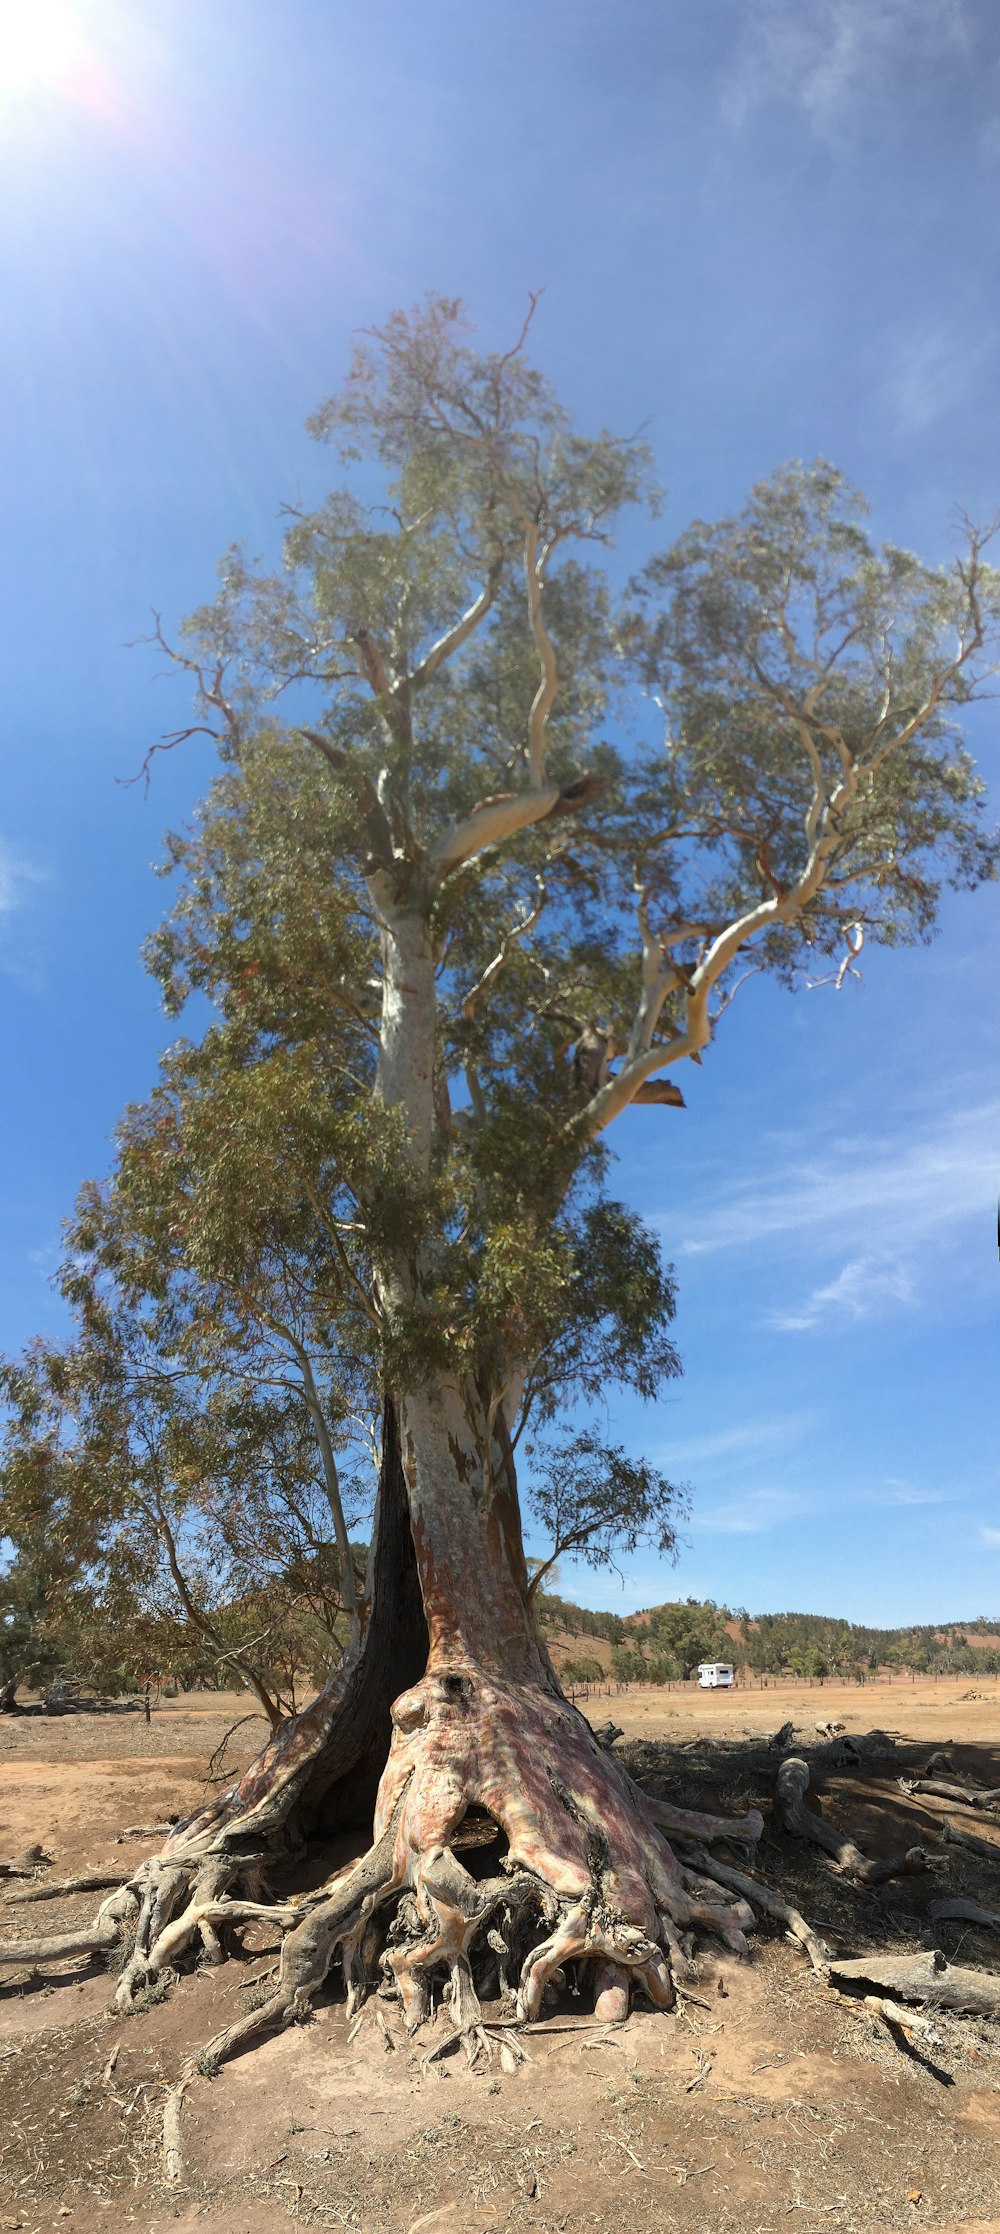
x: 754, y: 1513
x: 902, y: 1493
x: 898, y: 1188
x: 857, y: 1292
x: 748, y: 1441
x: 881, y: 1206
x: 17, y: 878
x: 934, y: 371
x: 828, y: 58
x: 991, y: 1538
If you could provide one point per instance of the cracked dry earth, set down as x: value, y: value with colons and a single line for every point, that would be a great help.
x: 767, y: 2102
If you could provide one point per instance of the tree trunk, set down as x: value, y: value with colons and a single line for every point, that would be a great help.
x: 320, y: 1771
x: 485, y: 1753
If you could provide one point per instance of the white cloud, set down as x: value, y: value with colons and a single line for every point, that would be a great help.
x: 828, y: 57
x: 745, y: 1441
x: 856, y: 1292
x: 880, y: 1206
x: 901, y: 1493
x: 991, y: 1538
x: 16, y: 875
x: 891, y: 1190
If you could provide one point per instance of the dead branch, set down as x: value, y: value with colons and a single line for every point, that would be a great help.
x: 963, y: 1911
x: 984, y: 1847
x: 966, y: 1794
x: 27, y: 1864
x: 92, y: 1881
x: 761, y: 1897
x: 927, y: 1978
x: 789, y: 1794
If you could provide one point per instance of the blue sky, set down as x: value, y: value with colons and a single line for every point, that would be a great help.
x: 768, y: 231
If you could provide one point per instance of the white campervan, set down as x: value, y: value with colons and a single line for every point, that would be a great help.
x: 715, y: 1675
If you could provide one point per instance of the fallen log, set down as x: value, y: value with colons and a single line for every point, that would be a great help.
x: 92, y: 1881
x: 97, y: 1936
x: 789, y: 1794
x: 926, y: 1978
x: 969, y: 1795
x: 761, y: 1897
x: 961, y: 1911
x: 984, y: 1847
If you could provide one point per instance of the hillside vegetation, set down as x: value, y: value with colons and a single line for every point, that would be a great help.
x: 664, y: 1644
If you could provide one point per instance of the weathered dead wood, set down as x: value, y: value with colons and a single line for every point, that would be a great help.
x: 957, y: 1910
x: 173, y: 2159
x: 769, y: 1903
x: 102, y: 1933
x: 984, y: 1847
x: 781, y: 1737
x: 967, y: 1794
x: 92, y: 1881
x: 789, y: 1794
x: 147, y: 1830
x: 792, y: 1784
x: 606, y: 1733
x: 926, y: 1978
x: 27, y: 1864
x: 901, y: 2019
x: 688, y: 1823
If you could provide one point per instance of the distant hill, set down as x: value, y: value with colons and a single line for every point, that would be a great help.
x: 662, y: 1643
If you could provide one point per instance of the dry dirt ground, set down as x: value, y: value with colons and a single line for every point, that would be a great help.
x: 769, y: 2102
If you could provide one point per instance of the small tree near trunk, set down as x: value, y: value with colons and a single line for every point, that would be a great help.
x: 451, y: 933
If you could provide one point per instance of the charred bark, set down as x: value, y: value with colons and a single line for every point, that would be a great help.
x: 320, y: 1771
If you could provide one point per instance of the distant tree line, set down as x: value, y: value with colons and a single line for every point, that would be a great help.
x: 665, y: 1644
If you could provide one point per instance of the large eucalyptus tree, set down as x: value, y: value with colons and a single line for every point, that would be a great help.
x: 486, y: 860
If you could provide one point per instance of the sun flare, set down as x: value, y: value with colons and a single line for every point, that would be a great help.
x: 40, y: 40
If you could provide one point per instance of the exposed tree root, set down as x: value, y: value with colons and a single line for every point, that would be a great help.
x: 771, y: 1904
x: 587, y: 1879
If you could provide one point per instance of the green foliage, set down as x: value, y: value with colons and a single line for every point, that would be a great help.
x: 370, y: 693
x: 684, y: 1634
x: 443, y: 751
x: 817, y: 1645
x: 582, y: 1670
x: 577, y: 1621
x: 591, y: 1500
